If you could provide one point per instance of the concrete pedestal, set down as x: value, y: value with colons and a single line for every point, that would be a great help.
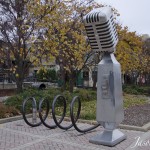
x: 108, y: 138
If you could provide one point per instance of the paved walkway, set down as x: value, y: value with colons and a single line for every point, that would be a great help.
x: 19, y: 136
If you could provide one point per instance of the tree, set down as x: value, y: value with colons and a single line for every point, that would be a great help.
x: 145, y: 60
x: 130, y: 52
x: 19, y: 26
x: 47, y: 75
x: 146, y: 56
x: 66, y: 38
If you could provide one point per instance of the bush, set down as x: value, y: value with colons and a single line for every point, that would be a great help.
x: 8, y: 111
x: 137, y: 90
x: 49, y: 94
x: 15, y: 101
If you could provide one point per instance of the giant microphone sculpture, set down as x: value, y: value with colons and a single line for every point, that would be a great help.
x: 102, y: 35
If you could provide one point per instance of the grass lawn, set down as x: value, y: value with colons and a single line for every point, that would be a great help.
x: 88, y: 109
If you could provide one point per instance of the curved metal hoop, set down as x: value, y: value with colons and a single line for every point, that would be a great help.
x: 34, y: 109
x: 76, y: 98
x: 58, y: 98
x: 43, y: 120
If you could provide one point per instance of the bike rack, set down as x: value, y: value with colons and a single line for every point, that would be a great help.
x: 57, y: 98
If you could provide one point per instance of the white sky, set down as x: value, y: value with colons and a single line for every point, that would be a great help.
x: 133, y: 13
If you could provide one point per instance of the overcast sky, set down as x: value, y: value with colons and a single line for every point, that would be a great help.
x: 133, y: 13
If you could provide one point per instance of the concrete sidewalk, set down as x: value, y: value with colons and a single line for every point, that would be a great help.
x: 19, y: 136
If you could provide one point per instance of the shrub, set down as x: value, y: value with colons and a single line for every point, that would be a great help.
x: 137, y: 90
x: 15, y: 101
x: 8, y: 111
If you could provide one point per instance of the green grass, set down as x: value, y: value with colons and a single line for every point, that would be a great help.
x: 131, y: 100
x: 88, y: 108
x: 88, y: 100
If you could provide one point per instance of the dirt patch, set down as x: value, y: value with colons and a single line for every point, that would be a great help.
x: 137, y: 115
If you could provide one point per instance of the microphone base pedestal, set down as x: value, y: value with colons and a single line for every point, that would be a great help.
x: 108, y: 138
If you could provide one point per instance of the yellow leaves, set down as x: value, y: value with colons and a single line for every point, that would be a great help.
x: 13, y: 70
x: 129, y: 49
x: 52, y: 58
x: 21, y: 51
x: 38, y: 1
x: 64, y: 33
x: 17, y: 75
x: 1, y: 61
x: 32, y: 50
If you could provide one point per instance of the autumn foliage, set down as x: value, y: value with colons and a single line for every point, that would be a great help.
x: 60, y: 25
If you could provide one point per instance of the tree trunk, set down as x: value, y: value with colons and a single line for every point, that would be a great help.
x: 19, y: 83
x: 94, y: 78
x: 71, y: 82
x: 94, y: 83
x: 63, y: 76
x: 20, y: 75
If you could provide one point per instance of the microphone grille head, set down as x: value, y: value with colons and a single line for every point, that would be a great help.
x: 101, y: 30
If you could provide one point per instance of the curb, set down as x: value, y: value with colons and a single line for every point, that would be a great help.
x: 10, y: 119
x: 144, y: 128
x: 136, y: 128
